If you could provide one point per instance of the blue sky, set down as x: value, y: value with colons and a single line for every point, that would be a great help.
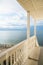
x: 12, y: 15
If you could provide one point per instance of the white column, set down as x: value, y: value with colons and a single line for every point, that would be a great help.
x: 28, y: 24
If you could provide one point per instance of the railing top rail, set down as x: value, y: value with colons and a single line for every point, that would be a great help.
x: 9, y: 49
x: 14, y: 47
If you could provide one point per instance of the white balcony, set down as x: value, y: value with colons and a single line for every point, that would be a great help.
x: 24, y: 53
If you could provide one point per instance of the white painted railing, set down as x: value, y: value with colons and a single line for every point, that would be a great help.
x: 18, y: 54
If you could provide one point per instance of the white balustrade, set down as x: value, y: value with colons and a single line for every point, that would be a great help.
x: 18, y: 53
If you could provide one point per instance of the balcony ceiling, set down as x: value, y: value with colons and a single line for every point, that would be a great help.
x: 34, y: 6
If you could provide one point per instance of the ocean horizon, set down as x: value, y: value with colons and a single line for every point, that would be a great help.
x: 14, y: 36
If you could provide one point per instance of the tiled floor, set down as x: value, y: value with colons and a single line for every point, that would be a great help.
x: 36, y: 57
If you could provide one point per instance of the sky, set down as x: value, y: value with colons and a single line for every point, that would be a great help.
x: 12, y: 15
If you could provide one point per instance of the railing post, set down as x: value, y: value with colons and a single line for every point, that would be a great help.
x: 1, y: 63
x: 14, y: 58
x: 7, y: 59
x: 11, y: 60
x: 28, y: 24
x: 7, y: 62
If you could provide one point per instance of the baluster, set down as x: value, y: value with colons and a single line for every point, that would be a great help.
x: 11, y: 60
x: 1, y: 63
x: 14, y: 58
x: 7, y: 59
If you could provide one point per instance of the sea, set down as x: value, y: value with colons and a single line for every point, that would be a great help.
x: 15, y: 36
x: 39, y: 33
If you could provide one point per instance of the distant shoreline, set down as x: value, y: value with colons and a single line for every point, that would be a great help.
x: 14, y: 29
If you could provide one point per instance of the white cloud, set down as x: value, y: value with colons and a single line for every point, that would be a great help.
x: 39, y: 22
x: 12, y: 14
x: 8, y: 6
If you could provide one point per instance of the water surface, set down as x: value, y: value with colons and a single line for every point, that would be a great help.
x: 16, y: 36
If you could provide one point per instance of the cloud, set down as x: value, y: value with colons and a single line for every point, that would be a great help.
x: 39, y: 22
x: 12, y: 14
x: 9, y: 6
x: 7, y: 21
